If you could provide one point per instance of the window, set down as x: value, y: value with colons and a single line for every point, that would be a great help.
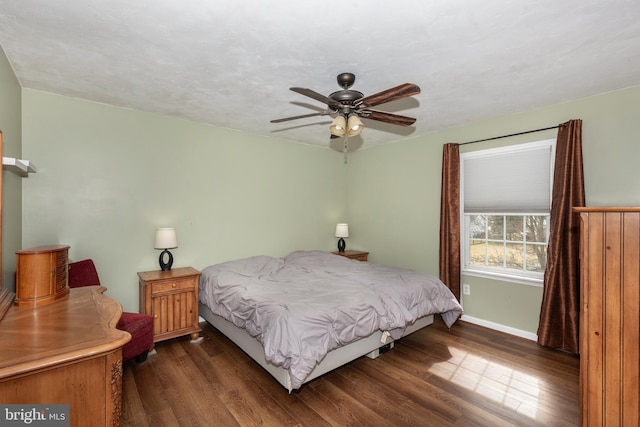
x: 506, y: 200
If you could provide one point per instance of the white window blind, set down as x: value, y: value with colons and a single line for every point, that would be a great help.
x: 516, y: 179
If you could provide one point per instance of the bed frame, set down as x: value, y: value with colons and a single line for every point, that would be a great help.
x: 371, y: 346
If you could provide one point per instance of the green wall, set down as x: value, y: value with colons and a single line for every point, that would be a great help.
x: 394, y: 192
x: 108, y: 177
x: 11, y: 127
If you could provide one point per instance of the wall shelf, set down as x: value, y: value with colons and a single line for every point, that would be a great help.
x: 19, y: 166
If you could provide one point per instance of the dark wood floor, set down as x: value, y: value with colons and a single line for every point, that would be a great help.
x: 469, y: 376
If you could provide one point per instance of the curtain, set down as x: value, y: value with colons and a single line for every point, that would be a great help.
x: 450, y: 219
x: 559, y: 313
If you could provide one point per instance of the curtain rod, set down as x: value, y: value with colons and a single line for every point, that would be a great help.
x: 513, y: 134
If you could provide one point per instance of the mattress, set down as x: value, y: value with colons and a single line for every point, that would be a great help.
x: 302, y: 306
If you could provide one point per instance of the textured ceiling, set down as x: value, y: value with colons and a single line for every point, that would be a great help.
x: 231, y: 63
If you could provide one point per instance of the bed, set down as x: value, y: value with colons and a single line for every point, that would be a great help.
x: 305, y: 314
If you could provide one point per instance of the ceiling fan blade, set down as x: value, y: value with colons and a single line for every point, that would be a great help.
x: 398, y: 92
x: 286, y: 119
x: 317, y: 96
x: 381, y: 116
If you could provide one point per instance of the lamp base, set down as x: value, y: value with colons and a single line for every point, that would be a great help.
x: 341, y: 245
x: 165, y: 266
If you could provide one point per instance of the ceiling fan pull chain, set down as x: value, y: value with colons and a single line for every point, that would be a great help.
x: 345, y: 149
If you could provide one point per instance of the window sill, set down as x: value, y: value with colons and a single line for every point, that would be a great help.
x: 504, y: 277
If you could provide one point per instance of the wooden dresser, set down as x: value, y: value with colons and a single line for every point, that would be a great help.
x: 65, y: 352
x: 610, y: 316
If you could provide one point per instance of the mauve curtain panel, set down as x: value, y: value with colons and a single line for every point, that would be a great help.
x: 559, y: 313
x: 450, y: 219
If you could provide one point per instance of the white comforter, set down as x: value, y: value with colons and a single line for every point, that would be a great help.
x: 304, y: 305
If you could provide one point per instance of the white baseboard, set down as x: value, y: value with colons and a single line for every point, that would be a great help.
x: 499, y: 327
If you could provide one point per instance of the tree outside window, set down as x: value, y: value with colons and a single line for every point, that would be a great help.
x: 513, y: 242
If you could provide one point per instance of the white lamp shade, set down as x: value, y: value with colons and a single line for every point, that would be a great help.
x: 354, y: 125
x: 338, y: 126
x: 342, y: 230
x: 166, y: 238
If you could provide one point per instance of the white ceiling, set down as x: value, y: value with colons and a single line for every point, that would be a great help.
x: 231, y: 63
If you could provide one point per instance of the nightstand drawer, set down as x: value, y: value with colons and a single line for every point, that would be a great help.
x: 174, y: 285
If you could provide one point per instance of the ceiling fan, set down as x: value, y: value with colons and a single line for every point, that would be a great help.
x: 349, y: 105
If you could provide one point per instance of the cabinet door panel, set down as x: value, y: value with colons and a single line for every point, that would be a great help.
x: 610, y: 317
x: 630, y: 318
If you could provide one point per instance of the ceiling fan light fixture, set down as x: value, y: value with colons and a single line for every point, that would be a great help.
x: 338, y: 127
x: 351, y: 105
x: 354, y: 125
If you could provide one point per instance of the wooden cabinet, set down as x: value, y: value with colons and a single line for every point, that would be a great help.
x: 609, y: 318
x: 359, y: 255
x: 171, y: 297
x: 66, y: 352
x: 41, y: 274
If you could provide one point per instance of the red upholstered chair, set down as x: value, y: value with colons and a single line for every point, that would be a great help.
x: 140, y: 326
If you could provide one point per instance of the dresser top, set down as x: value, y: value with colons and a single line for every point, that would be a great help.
x: 607, y: 209
x: 79, y: 325
x: 42, y: 249
x: 174, y: 273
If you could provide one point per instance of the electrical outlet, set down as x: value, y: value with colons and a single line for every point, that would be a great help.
x: 466, y: 289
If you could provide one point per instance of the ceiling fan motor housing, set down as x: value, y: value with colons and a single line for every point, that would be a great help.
x: 346, y: 97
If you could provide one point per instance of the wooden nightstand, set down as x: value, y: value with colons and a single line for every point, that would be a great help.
x: 359, y: 255
x: 171, y: 297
